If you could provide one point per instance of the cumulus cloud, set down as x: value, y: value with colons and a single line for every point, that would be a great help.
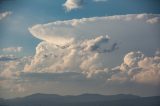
x: 10, y: 73
x: 11, y: 66
x: 13, y: 49
x: 82, y: 44
x: 139, y: 68
x: 154, y: 20
x: 80, y: 57
x: 5, y: 14
x: 99, y: 44
x: 73, y: 4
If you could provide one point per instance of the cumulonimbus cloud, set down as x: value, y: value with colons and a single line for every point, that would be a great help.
x: 86, y: 50
x: 86, y: 41
x: 65, y: 32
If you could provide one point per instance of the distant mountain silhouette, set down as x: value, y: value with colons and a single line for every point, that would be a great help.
x: 81, y: 100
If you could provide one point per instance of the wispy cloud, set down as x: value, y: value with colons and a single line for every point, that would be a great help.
x: 5, y: 14
x: 7, y: 58
x: 100, y: 0
x: 12, y: 49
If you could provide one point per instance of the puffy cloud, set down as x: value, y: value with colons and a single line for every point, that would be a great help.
x: 99, y: 44
x: 50, y: 58
x: 82, y: 44
x: 10, y: 67
x: 5, y: 14
x: 154, y: 20
x: 12, y: 49
x: 10, y: 74
x: 139, y: 68
x: 73, y: 4
x: 82, y: 57
x: 132, y: 58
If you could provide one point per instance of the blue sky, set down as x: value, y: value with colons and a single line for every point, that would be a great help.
x: 79, y: 46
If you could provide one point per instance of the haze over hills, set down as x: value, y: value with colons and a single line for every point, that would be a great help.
x: 82, y: 100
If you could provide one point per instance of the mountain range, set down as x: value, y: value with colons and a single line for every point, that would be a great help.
x: 82, y: 100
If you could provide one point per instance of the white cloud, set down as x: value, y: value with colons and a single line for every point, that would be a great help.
x: 5, y: 14
x: 80, y: 54
x: 82, y: 45
x: 73, y: 4
x: 10, y: 73
x: 139, y: 68
x: 10, y: 66
x: 79, y: 57
x: 66, y: 32
x: 12, y: 49
x: 154, y: 20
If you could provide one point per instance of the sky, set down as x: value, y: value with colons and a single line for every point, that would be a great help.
x: 71, y: 47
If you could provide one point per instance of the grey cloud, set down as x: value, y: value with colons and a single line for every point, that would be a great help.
x: 65, y: 76
x: 100, y: 44
x: 13, y: 49
x: 5, y: 14
x: 7, y: 57
x: 100, y: 0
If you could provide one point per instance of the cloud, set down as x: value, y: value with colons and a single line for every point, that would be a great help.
x: 157, y: 52
x: 11, y: 66
x: 5, y: 14
x: 139, y: 68
x: 66, y: 32
x: 100, y: 0
x: 10, y: 73
x: 154, y: 20
x: 7, y: 57
x: 12, y: 49
x: 80, y: 55
x: 73, y: 4
x: 99, y: 44
x: 81, y: 45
